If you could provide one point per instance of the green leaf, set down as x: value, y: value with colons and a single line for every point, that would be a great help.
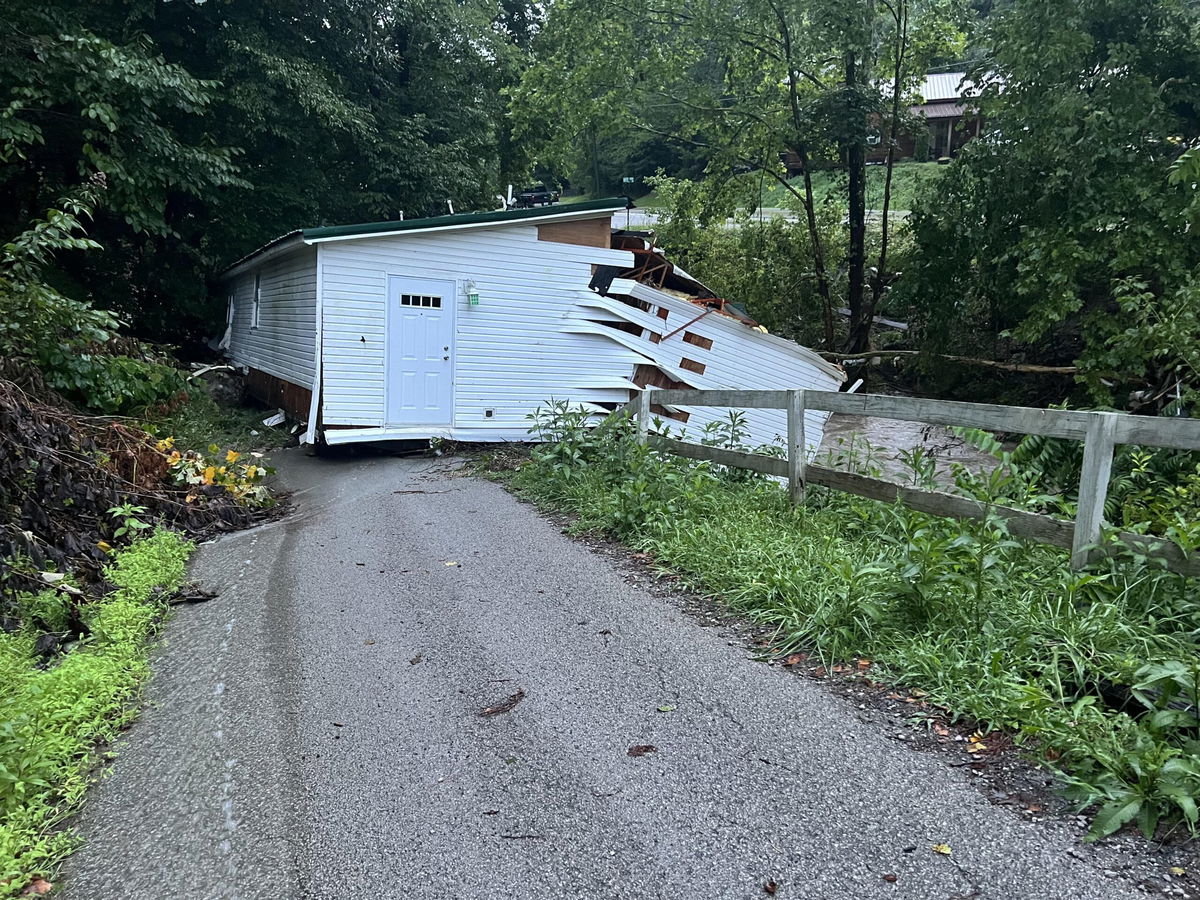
x: 1114, y: 815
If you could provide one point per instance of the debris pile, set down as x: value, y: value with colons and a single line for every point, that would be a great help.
x: 60, y: 475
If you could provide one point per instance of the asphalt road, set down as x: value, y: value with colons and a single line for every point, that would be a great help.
x: 315, y: 733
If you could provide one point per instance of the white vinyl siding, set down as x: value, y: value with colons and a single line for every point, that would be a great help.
x: 741, y: 358
x: 274, y: 318
x: 511, y: 355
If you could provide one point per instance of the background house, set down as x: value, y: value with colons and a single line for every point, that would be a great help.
x: 950, y: 119
x: 946, y: 121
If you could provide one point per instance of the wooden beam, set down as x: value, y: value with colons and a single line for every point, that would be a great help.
x: 738, y: 399
x: 767, y: 465
x: 796, y: 448
x: 1062, y: 423
x: 641, y: 414
x: 1158, y: 431
x: 1093, y: 486
x: 1046, y: 529
x: 1177, y: 560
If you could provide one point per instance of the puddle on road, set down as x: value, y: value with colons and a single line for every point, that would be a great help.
x: 880, y: 443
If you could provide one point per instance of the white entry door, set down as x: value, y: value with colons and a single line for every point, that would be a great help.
x: 420, y: 355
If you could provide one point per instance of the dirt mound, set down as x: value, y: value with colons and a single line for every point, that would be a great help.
x: 61, y: 472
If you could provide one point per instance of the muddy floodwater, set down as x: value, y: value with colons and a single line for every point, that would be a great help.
x: 865, y: 443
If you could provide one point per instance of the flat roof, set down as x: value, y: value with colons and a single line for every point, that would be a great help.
x: 458, y: 220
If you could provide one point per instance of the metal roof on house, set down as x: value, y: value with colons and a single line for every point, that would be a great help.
x: 940, y: 110
x: 941, y: 86
x: 323, y: 233
x: 473, y: 218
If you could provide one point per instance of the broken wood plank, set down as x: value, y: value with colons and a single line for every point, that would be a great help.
x: 796, y: 448
x: 1093, y: 486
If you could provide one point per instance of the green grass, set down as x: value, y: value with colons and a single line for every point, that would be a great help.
x: 910, y: 180
x: 202, y: 421
x: 999, y: 631
x: 52, y: 719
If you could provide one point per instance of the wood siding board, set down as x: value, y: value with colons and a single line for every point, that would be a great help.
x: 584, y: 232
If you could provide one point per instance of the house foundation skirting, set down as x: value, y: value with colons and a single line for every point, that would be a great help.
x: 273, y: 391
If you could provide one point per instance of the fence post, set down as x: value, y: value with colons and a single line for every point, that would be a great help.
x: 641, y: 414
x: 797, y: 452
x: 1093, y: 485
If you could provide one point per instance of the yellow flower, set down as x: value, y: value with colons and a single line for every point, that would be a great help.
x: 221, y: 470
x: 209, y: 474
x: 165, y: 444
x: 174, y: 458
x: 251, y: 471
x: 232, y: 456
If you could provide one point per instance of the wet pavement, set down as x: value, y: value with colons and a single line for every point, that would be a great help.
x: 317, y: 731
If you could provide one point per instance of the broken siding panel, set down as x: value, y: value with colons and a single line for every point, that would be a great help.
x: 738, y: 357
x: 284, y: 342
x: 511, y: 355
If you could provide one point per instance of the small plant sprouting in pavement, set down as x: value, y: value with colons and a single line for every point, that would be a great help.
x: 1095, y: 670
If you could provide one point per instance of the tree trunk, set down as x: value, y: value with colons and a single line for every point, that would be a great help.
x: 856, y: 170
x: 879, y: 282
x: 818, y: 250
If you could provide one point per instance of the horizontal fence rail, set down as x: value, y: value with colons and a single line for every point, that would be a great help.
x: 1100, y: 432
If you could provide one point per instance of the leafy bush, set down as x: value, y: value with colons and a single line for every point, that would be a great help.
x: 53, y: 715
x: 998, y: 630
x: 1151, y: 489
x: 73, y: 344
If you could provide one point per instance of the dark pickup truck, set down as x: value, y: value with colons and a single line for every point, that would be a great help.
x: 536, y: 196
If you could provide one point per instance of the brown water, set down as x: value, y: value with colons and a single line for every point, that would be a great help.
x: 878, y: 444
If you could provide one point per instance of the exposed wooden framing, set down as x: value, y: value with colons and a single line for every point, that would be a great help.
x: 797, y: 451
x: 1100, y: 431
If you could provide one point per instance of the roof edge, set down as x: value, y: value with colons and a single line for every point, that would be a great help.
x: 499, y: 216
x: 281, y: 244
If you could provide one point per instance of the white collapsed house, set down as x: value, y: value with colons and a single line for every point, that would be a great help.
x: 460, y: 326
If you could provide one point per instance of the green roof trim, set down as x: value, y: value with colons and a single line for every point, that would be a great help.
x: 475, y: 218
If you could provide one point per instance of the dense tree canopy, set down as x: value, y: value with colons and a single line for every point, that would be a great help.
x: 1061, y: 233
x: 177, y: 136
x: 219, y: 124
x: 746, y: 82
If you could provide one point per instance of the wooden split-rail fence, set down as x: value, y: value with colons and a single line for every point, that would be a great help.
x: 1100, y: 432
